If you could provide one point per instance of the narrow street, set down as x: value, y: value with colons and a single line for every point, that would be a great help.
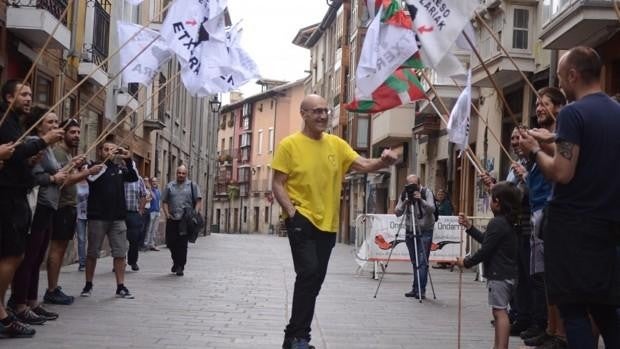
x: 236, y: 294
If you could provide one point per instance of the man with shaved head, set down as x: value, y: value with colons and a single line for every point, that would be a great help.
x: 177, y: 196
x: 309, y: 168
x: 581, y: 226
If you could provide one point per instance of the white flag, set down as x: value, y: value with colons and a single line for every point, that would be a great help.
x: 190, y: 23
x: 458, y: 125
x: 386, y: 47
x: 223, y: 67
x: 134, y: 2
x: 438, y: 27
x: 144, y: 68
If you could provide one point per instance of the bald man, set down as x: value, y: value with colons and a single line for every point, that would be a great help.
x: 177, y: 196
x: 307, y: 188
x: 582, y: 221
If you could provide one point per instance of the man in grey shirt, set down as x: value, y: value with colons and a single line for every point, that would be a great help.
x: 177, y: 196
x: 422, y: 201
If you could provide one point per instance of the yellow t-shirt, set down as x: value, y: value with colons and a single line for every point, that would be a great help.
x: 315, y: 170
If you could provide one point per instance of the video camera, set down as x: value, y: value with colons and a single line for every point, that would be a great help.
x: 410, y: 189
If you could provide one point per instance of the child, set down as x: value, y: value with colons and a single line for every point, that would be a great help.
x: 498, y: 254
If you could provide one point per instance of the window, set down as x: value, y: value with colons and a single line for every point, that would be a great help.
x: 260, y: 142
x: 245, y: 140
x: 44, y: 93
x: 68, y: 108
x: 230, y: 143
x: 266, y: 214
x: 223, y: 144
x: 521, y: 21
x: 271, y: 139
x: 245, y: 214
x: 362, y: 133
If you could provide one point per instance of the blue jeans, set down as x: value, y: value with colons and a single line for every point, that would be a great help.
x: 579, y: 327
x: 81, y: 239
x: 424, y: 240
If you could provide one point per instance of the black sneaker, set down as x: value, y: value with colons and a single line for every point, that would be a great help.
x: 56, y: 296
x: 27, y: 316
x: 135, y: 267
x: 123, y: 292
x: 179, y: 271
x: 16, y: 329
x: 87, y: 291
x: 81, y: 268
x: 173, y: 269
x: 517, y: 327
x: 44, y: 313
x: 414, y: 294
x: 554, y: 343
x: 538, y: 340
x: 531, y: 332
x: 296, y: 343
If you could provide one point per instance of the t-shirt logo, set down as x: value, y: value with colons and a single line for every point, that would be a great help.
x: 332, y: 159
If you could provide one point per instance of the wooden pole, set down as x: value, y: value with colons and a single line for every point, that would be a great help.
x: 479, y: 167
x: 84, y: 79
x: 486, y: 122
x: 36, y: 61
x: 499, y: 91
x: 499, y: 43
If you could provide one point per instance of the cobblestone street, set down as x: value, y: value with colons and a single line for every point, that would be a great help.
x: 236, y: 293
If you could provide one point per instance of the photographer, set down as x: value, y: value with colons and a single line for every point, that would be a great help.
x: 423, y: 209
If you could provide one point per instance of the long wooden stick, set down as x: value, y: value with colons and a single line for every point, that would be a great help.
x: 460, y: 288
x: 479, y: 167
x: 120, y: 122
x: 486, y: 122
x: 36, y: 61
x: 84, y: 79
x: 486, y: 69
x: 499, y: 43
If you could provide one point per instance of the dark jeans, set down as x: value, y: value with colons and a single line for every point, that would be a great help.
x: 524, y: 284
x: 177, y: 244
x: 135, y: 235
x: 311, y: 249
x: 146, y: 219
x: 579, y: 328
x: 26, y: 279
x: 424, y: 241
x: 539, y: 300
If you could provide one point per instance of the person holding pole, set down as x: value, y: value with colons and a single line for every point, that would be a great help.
x: 582, y: 222
x: 16, y: 180
x: 498, y: 253
x: 424, y: 210
x: 308, y: 190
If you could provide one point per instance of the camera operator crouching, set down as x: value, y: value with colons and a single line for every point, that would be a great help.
x: 424, y: 218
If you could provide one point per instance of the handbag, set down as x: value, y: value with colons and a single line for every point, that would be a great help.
x: 193, y: 219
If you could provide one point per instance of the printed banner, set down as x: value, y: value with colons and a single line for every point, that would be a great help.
x: 380, y: 230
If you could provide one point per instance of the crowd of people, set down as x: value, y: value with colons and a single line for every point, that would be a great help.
x: 50, y: 194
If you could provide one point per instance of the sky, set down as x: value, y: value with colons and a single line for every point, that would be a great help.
x: 269, y: 27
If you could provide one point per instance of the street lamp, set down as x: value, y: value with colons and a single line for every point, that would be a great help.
x: 214, y: 106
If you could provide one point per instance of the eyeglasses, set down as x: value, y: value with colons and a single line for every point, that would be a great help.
x: 320, y: 111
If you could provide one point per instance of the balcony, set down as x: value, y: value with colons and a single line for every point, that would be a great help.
x: 260, y: 186
x: 426, y: 124
x: 34, y: 21
x: 125, y: 99
x: 392, y: 126
x: 96, y: 38
x: 570, y: 23
x: 515, y: 30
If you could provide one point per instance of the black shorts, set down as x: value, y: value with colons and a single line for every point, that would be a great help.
x: 42, y: 218
x: 65, y: 220
x: 15, y: 218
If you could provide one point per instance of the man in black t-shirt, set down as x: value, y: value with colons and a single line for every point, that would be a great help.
x: 580, y: 226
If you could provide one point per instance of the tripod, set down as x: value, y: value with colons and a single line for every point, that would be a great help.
x: 411, y: 215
